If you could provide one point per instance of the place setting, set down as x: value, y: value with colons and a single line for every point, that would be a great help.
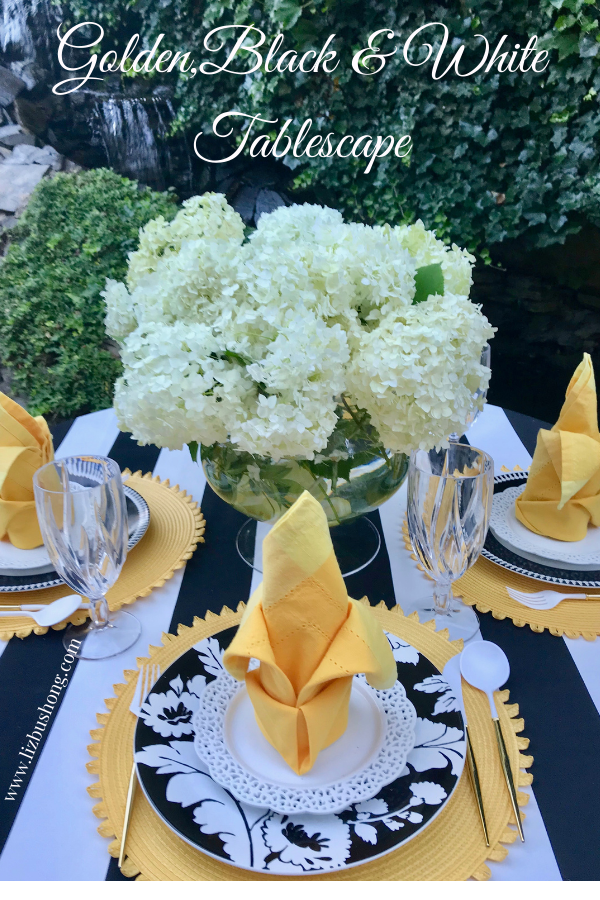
x: 81, y: 525
x: 540, y: 562
x: 308, y: 734
x: 22, y: 569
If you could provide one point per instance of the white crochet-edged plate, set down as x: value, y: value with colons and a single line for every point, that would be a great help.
x: 370, y: 754
x: 581, y: 555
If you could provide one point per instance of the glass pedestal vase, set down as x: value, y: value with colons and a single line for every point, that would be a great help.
x: 356, y: 544
x: 353, y: 476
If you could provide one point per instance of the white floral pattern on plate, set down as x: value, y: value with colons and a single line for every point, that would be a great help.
x: 170, y: 714
x: 305, y: 841
x: 435, y: 684
x: 207, y: 816
x: 371, y: 811
x: 402, y: 651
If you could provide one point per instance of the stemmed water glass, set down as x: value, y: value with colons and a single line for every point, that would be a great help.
x: 475, y: 411
x: 82, y: 516
x: 449, y: 501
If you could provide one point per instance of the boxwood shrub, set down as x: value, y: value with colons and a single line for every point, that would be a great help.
x: 76, y: 231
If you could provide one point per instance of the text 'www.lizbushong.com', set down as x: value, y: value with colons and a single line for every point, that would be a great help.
x: 45, y: 712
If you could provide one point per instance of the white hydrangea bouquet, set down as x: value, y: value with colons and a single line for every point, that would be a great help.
x: 313, y: 354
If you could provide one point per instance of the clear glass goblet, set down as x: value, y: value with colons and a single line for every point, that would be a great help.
x: 449, y: 501
x: 475, y: 411
x: 82, y: 516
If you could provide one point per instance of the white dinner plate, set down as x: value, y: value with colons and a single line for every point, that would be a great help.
x: 24, y: 574
x: 14, y: 561
x: 581, y: 555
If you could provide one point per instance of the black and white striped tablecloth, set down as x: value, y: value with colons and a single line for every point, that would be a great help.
x: 47, y: 829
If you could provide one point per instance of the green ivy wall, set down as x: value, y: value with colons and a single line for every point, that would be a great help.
x: 495, y: 156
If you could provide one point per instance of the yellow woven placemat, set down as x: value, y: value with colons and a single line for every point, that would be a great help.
x: 484, y: 586
x: 450, y: 848
x: 176, y: 527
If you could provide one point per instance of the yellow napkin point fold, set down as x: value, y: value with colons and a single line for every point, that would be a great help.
x: 25, y: 446
x: 562, y: 494
x: 309, y: 637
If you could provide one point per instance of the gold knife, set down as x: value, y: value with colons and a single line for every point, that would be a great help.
x: 128, y: 807
x: 148, y: 676
x: 474, y: 773
x: 453, y: 676
x: 508, y: 777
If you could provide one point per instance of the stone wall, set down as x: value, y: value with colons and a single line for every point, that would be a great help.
x: 24, y: 158
x: 23, y: 164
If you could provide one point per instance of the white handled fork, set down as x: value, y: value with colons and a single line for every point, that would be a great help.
x: 546, y: 599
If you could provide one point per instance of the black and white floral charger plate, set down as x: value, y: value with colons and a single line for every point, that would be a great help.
x: 508, y: 559
x: 138, y: 519
x: 207, y: 816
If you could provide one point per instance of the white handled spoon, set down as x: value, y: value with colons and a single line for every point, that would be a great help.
x: 485, y: 666
x: 51, y: 614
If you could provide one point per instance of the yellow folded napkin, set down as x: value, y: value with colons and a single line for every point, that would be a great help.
x: 25, y: 445
x: 309, y: 637
x: 562, y: 494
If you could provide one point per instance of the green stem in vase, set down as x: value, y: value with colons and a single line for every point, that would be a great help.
x: 270, y: 501
x: 305, y: 464
x: 347, y: 478
x: 378, y: 448
x: 334, y: 475
x: 265, y: 487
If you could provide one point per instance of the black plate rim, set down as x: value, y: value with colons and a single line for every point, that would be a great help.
x: 343, y: 868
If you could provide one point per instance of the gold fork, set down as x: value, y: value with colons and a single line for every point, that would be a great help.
x: 148, y: 676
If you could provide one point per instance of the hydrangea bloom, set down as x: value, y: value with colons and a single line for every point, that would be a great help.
x: 208, y: 217
x: 254, y: 342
